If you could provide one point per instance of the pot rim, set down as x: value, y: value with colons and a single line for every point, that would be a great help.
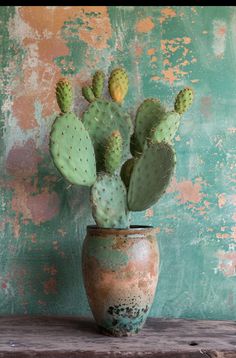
x: 132, y: 230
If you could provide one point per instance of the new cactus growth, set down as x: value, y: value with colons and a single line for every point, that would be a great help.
x: 118, y: 84
x: 64, y: 95
x: 98, y: 83
x: 113, y: 152
x: 88, y: 94
x: 128, y: 168
x: 184, y: 100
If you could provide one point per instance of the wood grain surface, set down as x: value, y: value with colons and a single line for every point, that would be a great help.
x: 71, y: 337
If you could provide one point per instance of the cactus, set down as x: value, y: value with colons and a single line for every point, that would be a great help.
x: 150, y: 176
x: 118, y: 84
x: 127, y: 169
x: 166, y: 129
x: 184, y: 100
x: 75, y: 162
x: 101, y: 119
x: 135, y: 148
x: 98, y: 83
x: 88, y: 94
x: 64, y: 95
x: 109, y: 205
x: 149, y: 114
x: 113, y: 152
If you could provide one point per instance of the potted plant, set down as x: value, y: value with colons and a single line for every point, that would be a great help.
x: 128, y: 168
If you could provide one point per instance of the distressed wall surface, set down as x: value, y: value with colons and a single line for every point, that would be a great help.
x: 43, y: 222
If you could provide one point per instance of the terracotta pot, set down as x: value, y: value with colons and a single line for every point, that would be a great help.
x: 120, y: 272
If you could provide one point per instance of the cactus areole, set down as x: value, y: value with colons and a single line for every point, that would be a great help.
x: 127, y: 163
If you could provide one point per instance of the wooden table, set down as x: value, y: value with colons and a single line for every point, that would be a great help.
x: 71, y: 337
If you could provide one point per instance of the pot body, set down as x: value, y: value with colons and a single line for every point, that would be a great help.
x: 120, y: 272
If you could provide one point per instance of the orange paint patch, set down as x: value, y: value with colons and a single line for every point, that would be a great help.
x: 145, y: 25
x: 95, y: 31
x: 25, y: 117
x: 23, y: 160
x: 151, y: 51
x: 167, y: 13
x: 189, y: 192
x: 138, y: 51
x: 149, y: 213
x: 221, y: 200
x: 43, y: 206
x: 176, y: 46
x: 50, y: 286
x: 155, y: 78
x: 42, y: 44
x: 227, y: 263
x: 154, y: 59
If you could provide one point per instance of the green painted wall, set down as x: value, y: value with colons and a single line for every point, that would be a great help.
x: 43, y: 222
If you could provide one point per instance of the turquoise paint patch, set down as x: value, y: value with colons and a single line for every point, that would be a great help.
x: 107, y: 257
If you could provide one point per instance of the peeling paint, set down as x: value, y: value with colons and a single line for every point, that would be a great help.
x: 164, y: 48
x: 145, y: 25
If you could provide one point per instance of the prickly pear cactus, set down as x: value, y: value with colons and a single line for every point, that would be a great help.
x: 109, y: 202
x: 135, y: 148
x: 150, y: 176
x: 126, y: 171
x: 184, y: 100
x: 98, y: 83
x: 118, y: 84
x: 113, y: 152
x: 102, y: 118
x: 88, y: 94
x: 149, y: 114
x: 166, y: 129
x: 72, y: 150
x: 64, y: 95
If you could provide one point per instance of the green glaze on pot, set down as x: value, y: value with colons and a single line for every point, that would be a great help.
x: 120, y: 271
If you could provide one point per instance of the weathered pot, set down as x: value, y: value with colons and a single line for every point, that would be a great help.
x: 120, y: 272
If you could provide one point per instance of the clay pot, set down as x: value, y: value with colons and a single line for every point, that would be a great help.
x: 120, y: 272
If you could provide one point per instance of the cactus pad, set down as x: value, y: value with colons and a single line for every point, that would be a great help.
x: 126, y: 171
x: 88, y: 94
x: 109, y: 202
x: 101, y: 119
x: 113, y: 152
x: 98, y: 83
x: 64, y: 95
x: 118, y: 84
x: 149, y: 114
x: 72, y: 150
x: 150, y: 176
x: 135, y: 148
x: 184, y: 100
x: 166, y: 129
